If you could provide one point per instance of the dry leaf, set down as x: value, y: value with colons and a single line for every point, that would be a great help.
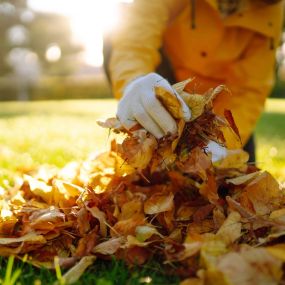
x: 111, y: 123
x: 264, y: 193
x: 31, y: 237
x: 101, y: 217
x: 158, y: 203
x: 196, y: 104
x: 145, y: 232
x: 251, y: 266
x: 108, y: 247
x: 180, y: 86
x: 74, y: 273
x: 230, y: 230
x: 170, y: 101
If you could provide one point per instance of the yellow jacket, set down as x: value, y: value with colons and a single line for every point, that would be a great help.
x: 238, y: 50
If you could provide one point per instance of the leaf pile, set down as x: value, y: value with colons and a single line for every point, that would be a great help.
x: 211, y: 223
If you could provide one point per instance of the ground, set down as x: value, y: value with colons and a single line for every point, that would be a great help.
x: 56, y: 132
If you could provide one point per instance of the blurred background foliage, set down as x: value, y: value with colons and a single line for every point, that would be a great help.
x: 41, y: 59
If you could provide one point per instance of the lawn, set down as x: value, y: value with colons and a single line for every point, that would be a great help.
x: 56, y: 132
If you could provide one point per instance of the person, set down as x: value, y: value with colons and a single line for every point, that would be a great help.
x: 230, y: 42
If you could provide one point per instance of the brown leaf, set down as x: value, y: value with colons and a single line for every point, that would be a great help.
x: 159, y: 203
x: 264, y: 193
x: 202, y: 213
x: 230, y: 230
x: 196, y: 163
x: 209, y: 189
x: 108, y: 247
x: 137, y: 255
x: 138, y: 152
x: 128, y: 226
x: 101, y: 217
x: 170, y: 101
x: 229, y: 117
x: 86, y: 244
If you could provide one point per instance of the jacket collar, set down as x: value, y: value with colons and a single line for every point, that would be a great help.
x: 266, y: 20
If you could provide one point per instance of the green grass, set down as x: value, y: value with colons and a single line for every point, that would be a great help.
x: 270, y: 137
x: 56, y: 132
x: 53, y: 132
x: 101, y: 273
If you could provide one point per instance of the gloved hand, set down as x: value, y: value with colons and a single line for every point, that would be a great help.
x: 139, y: 104
x: 218, y: 152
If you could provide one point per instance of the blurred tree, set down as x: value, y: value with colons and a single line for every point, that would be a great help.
x: 51, y: 39
x: 36, y: 32
x: 9, y: 17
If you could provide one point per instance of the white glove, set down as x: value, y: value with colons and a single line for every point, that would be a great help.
x: 139, y: 104
x: 218, y: 152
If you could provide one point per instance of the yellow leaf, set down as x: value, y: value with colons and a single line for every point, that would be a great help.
x: 190, y: 249
x: 250, y: 266
x: 159, y: 203
x: 278, y: 215
x: 211, y: 251
x: 40, y: 188
x: 180, y: 127
x: 138, y: 151
x: 195, y: 102
x: 31, y: 237
x: 130, y: 208
x: 243, y: 178
x: 74, y: 273
x: 133, y: 241
x: 128, y: 226
x: 145, y: 232
x: 230, y: 230
x: 264, y: 193
x: 170, y: 102
x: 236, y: 158
x: 180, y: 86
x: 277, y: 251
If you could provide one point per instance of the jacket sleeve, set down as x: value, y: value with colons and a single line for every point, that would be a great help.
x: 250, y: 80
x: 135, y: 46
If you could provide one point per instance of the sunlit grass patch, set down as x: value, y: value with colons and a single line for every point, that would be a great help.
x: 270, y: 135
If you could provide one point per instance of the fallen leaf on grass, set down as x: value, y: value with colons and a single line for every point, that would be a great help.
x: 74, y: 273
